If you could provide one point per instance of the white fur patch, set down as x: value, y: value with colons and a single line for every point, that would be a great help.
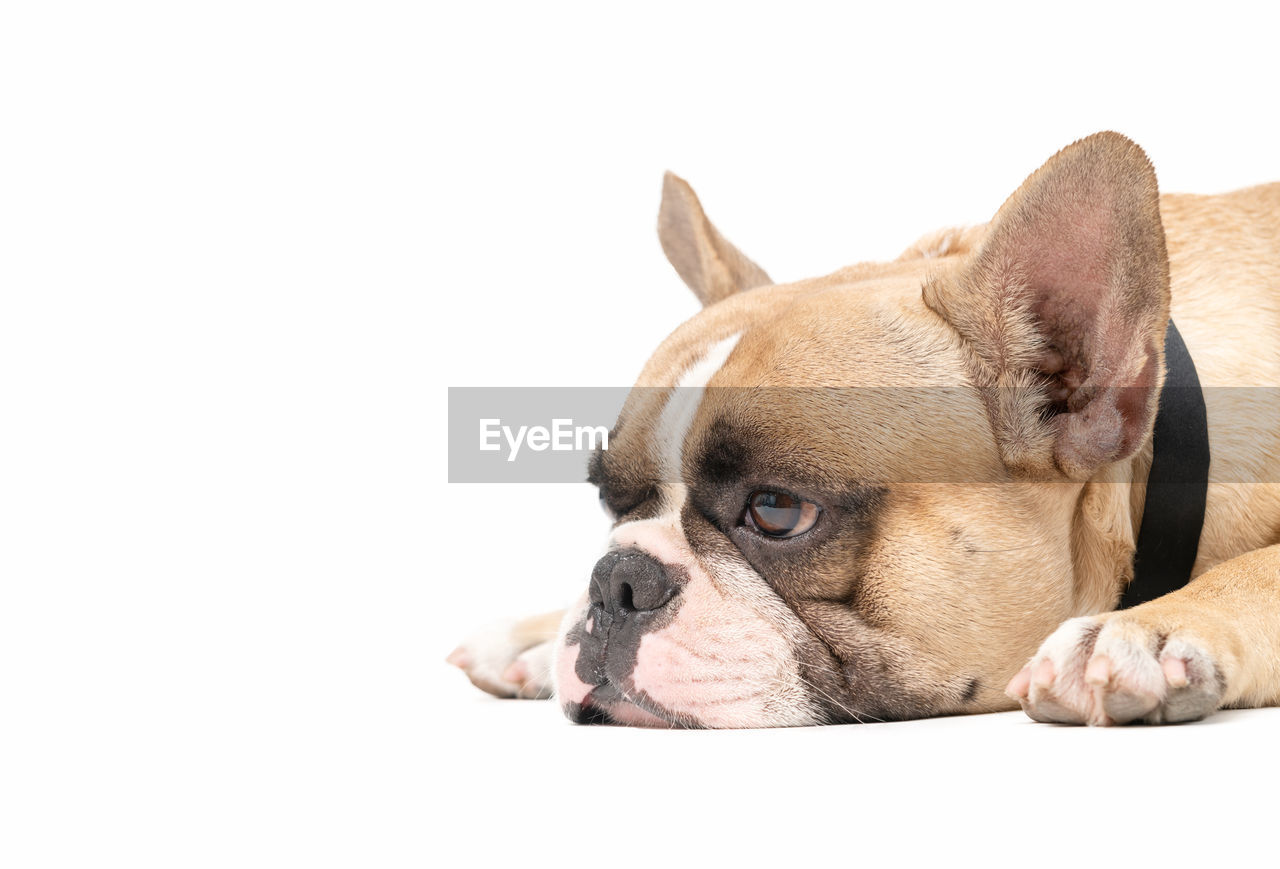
x: 677, y: 416
x: 660, y: 536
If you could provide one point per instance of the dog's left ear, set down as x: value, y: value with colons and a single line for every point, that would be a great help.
x: 712, y: 267
x: 1070, y: 288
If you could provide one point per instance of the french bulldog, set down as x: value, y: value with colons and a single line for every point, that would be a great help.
x: 915, y: 488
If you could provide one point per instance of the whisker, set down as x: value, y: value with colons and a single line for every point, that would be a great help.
x: 857, y: 716
x: 679, y: 719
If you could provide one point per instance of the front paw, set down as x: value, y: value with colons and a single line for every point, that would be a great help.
x: 1116, y: 668
x: 506, y: 659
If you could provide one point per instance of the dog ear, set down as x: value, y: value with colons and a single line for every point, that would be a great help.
x: 712, y: 267
x: 1066, y: 300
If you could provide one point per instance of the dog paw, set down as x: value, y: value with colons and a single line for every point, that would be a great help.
x: 1113, y: 669
x: 505, y: 660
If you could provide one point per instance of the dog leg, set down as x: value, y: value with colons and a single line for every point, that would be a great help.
x: 511, y: 659
x: 1214, y: 643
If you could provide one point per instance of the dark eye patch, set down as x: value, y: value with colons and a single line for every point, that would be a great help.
x: 621, y: 493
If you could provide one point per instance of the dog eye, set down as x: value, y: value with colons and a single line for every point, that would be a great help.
x: 617, y: 503
x: 776, y: 514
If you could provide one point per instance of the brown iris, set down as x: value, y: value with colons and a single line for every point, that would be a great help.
x: 777, y: 514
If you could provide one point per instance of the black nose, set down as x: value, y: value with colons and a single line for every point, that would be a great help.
x: 628, y: 581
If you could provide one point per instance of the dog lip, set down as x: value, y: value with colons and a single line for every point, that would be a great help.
x: 587, y: 712
x: 617, y: 707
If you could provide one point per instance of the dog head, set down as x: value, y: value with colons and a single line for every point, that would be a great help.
x: 870, y: 495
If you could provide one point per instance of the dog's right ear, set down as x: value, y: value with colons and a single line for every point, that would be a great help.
x: 712, y: 267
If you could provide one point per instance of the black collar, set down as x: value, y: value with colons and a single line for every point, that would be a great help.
x: 1174, y: 511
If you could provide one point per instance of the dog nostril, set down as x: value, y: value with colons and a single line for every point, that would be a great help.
x: 626, y: 602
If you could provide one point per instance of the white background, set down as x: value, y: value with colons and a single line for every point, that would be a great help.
x: 244, y: 249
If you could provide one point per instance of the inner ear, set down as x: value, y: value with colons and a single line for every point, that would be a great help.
x: 1071, y: 284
